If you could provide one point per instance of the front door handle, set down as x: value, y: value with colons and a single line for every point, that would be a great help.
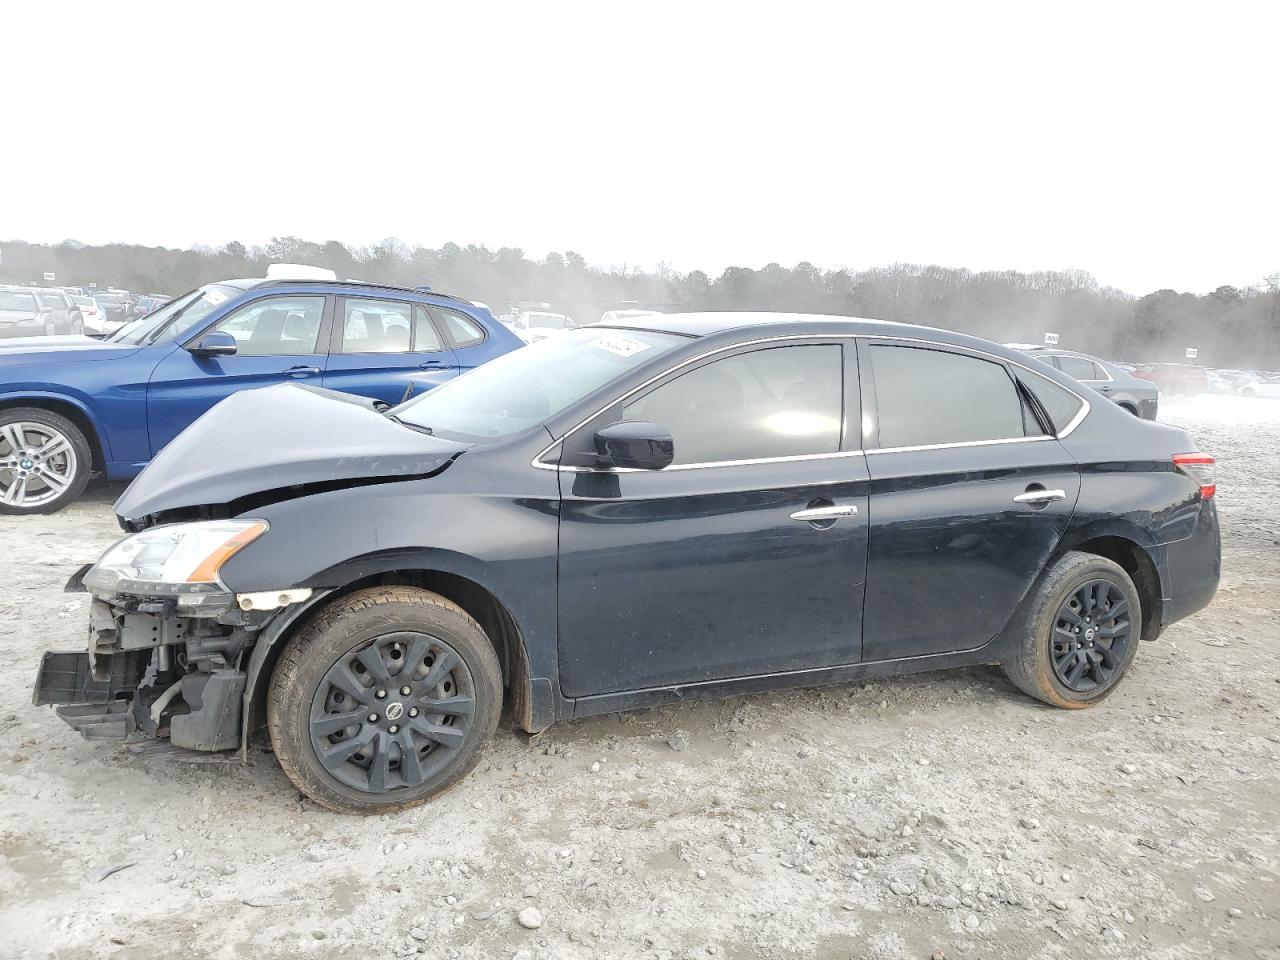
x: 1040, y: 496
x: 818, y: 514
x: 302, y: 371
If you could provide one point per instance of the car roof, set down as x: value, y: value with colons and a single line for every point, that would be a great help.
x: 709, y: 324
x: 361, y: 285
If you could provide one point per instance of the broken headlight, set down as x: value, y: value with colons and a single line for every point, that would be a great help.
x: 179, y: 561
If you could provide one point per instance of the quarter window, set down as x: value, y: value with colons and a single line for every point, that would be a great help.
x: 463, y: 330
x: 777, y: 402
x: 1059, y: 403
x: 276, y: 326
x: 376, y: 326
x: 926, y: 397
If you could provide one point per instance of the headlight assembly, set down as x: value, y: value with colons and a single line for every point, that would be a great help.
x: 179, y: 560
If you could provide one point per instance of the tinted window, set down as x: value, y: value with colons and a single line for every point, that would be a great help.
x: 275, y: 326
x: 464, y: 330
x: 928, y: 396
x: 523, y: 388
x: 1059, y: 403
x: 1079, y: 367
x: 376, y: 326
x: 779, y: 402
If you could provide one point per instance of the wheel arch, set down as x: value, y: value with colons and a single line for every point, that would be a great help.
x: 75, y: 411
x: 531, y: 703
x: 1137, y: 561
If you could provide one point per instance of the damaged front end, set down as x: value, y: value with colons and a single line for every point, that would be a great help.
x: 168, y: 641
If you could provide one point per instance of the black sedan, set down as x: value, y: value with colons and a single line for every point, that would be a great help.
x: 621, y: 517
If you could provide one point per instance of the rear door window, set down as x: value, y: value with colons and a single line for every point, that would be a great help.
x: 376, y: 326
x: 776, y: 402
x: 1079, y: 367
x: 926, y: 397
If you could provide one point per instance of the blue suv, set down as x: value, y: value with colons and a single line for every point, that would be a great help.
x: 72, y: 406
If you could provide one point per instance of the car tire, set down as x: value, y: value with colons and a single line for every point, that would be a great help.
x: 353, y: 662
x: 1065, y: 650
x: 72, y: 466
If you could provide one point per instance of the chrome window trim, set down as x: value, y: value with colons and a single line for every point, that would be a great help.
x: 936, y: 344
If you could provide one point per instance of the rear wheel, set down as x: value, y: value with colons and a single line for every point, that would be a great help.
x: 45, y: 461
x: 1076, y: 635
x: 383, y: 701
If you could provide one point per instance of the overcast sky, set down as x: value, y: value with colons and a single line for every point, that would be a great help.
x: 1136, y: 141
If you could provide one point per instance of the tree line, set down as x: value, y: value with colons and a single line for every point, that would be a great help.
x: 1230, y: 327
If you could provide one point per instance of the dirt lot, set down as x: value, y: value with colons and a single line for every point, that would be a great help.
x: 940, y: 813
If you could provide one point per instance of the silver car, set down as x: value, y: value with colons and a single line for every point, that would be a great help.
x: 1139, y: 397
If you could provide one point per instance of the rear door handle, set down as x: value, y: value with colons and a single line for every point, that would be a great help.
x: 301, y: 371
x: 1040, y: 496
x: 433, y: 365
x: 815, y: 514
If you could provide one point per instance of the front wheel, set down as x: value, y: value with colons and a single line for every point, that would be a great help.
x: 45, y: 461
x: 384, y: 700
x: 1076, y: 634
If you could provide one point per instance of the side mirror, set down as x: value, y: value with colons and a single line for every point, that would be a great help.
x: 219, y: 343
x: 636, y: 444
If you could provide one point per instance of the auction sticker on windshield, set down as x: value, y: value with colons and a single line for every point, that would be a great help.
x: 622, y: 346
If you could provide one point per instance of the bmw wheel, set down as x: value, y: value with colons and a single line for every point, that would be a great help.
x: 1076, y: 634
x: 45, y: 461
x: 384, y: 700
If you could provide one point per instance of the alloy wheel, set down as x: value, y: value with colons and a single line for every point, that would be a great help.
x: 1091, y: 634
x: 392, y: 713
x: 37, y: 464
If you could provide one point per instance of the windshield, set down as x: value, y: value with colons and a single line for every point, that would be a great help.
x: 13, y: 300
x: 175, y: 317
x: 527, y: 386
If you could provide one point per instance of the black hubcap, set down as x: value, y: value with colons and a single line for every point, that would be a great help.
x: 393, y: 713
x: 1091, y: 634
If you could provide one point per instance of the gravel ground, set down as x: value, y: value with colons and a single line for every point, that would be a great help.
x: 938, y: 814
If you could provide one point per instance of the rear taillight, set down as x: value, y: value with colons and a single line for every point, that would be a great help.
x: 1199, y: 467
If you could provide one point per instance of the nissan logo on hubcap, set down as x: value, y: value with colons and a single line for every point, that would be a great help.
x: 394, y: 711
x: 1088, y: 635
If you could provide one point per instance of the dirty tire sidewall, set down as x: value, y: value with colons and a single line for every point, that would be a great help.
x: 75, y: 436
x: 350, y: 622
x: 1028, y: 661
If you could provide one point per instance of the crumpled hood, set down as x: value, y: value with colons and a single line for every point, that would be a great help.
x: 279, y: 437
x: 71, y: 347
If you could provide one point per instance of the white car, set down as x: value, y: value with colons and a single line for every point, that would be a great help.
x: 95, y: 321
x: 1266, y: 387
x: 534, y: 325
x: 623, y: 316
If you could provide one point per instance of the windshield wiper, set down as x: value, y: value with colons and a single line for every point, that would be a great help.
x: 411, y: 426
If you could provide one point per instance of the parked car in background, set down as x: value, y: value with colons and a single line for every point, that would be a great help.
x: 1175, y: 378
x: 24, y: 314
x: 534, y: 325
x: 115, y: 310
x: 1139, y: 397
x: 72, y: 406
x: 618, y: 518
x: 91, y: 316
x: 145, y: 304
x: 1266, y: 387
x: 624, y: 316
x: 66, y: 315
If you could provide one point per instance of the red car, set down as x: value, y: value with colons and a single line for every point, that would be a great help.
x: 1174, y: 377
